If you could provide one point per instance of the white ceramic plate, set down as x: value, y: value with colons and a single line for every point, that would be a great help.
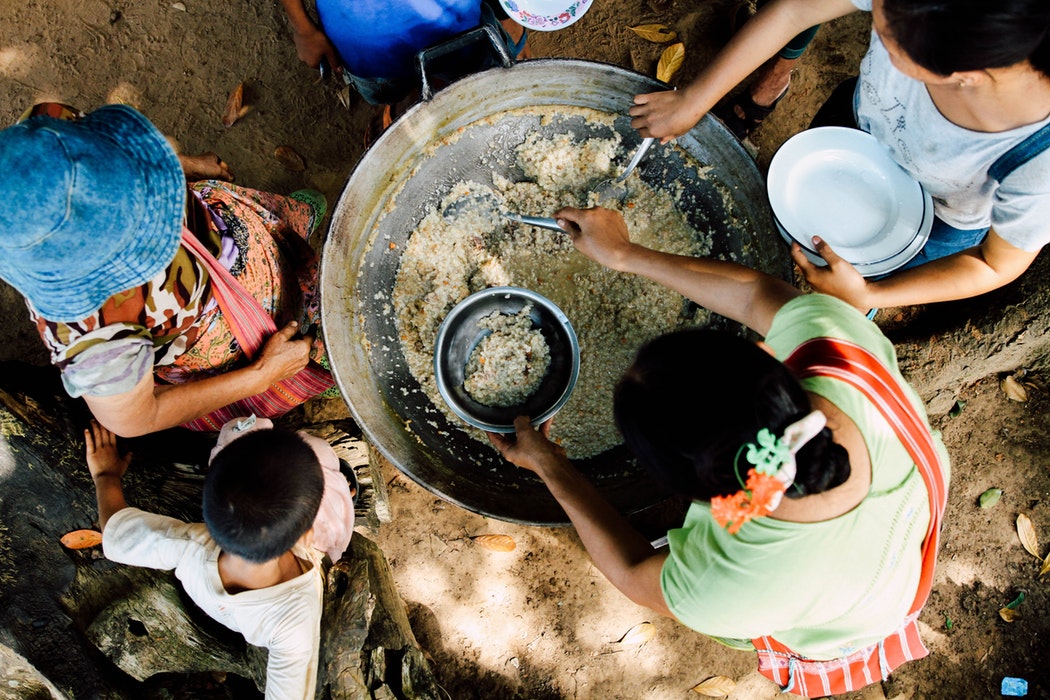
x: 841, y: 184
x: 545, y: 15
x: 881, y: 267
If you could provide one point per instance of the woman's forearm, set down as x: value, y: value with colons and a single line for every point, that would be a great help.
x: 619, y: 551
x: 960, y: 276
x: 740, y: 293
x: 757, y: 41
x: 148, y: 408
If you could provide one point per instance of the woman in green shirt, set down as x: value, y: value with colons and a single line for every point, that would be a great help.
x: 829, y: 568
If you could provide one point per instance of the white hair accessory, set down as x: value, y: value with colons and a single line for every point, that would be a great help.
x: 795, y: 438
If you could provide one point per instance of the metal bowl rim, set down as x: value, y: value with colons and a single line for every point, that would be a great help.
x: 464, y: 305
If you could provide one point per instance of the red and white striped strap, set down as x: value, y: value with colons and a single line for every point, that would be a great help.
x: 852, y: 364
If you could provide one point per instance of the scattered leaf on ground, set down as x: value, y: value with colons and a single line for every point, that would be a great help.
x: 1016, y: 602
x: 497, y: 543
x: 81, y: 539
x: 1026, y: 533
x: 656, y: 33
x: 956, y: 409
x: 1014, y: 390
x: 716, y: 687
x: 1046, y: 567
x: 288, y: 158
x: 990, y: 497
x: 178, y: 6
x: 639, y: 634
x: 948, y: 624
x: 670, y: 62
x: 234, y: 103
x: 1009, y: 614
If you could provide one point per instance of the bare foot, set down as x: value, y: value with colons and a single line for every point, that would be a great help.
x: 206, y: 166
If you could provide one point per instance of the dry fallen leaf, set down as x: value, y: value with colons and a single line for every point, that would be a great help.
x: 1046, y: 567
x: 639, y: 634
x: 656, y: 33
x: 670, y: 62
x: 291, y: 160
x: 716, y: 687
x: 1026, y: 533
x: 234, y: 104
x: 1009, y: 614
x: 497, y: 543
x: 81, y: 539
x: 178, y: 6
x: 1014, y: 390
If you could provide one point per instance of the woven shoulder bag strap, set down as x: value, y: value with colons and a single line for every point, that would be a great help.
x: 852, y: 364
x: 250, y: 323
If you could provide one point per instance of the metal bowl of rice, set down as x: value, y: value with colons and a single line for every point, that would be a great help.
x: 534, y: 358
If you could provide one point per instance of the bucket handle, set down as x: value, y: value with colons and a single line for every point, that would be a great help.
x: 459, y: 41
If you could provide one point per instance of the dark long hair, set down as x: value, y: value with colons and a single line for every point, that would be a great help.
x: 691, y: 400
x: 945, y: 36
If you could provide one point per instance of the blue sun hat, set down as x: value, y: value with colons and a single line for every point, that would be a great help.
x: 88, y: 208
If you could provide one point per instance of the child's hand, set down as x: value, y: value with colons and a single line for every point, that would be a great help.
x: 103, y: 458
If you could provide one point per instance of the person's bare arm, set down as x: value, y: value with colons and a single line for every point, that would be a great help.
x: 665, y: 115
x: 619, y: 551
x: 311, y: 43
x: 966, y: 274
x: 734, y: 291
x: 148, y: 408
x: 107, y: 467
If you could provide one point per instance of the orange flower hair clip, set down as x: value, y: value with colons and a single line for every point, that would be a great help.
x: 773, y: 472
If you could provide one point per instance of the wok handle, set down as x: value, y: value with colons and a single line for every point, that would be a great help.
x: 460, y: 41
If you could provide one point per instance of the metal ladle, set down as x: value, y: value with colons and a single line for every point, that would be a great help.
x: 615, y: 189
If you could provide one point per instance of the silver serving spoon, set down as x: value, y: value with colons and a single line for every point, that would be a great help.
x: 615, y: 189
x: 487, y: 204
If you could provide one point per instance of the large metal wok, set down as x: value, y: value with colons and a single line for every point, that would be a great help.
x: 402, y: 176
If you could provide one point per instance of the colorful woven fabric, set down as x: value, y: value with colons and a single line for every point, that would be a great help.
x: 172, y: 325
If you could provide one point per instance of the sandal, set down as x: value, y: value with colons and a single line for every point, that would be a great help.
x: 318, y: 207
x: 753, y: 114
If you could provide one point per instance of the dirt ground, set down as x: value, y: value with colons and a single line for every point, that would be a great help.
x: 540, y: 621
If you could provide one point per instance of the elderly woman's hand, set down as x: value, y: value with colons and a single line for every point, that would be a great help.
x: 206, y: 166
x: 283, y: 356
x: 600, y: 234
x: 530, y: 448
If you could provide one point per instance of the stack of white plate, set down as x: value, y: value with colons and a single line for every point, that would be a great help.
x: 842, y: 185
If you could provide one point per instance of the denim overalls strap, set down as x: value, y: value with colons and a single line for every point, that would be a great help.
x: 1020, y: 154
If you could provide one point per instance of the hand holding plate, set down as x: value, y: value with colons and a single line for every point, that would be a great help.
x: 839, y: 279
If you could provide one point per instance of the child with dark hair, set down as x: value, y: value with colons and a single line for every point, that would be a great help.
x: 958, y: 91
x: 816, y: 484
x: 250, y: 564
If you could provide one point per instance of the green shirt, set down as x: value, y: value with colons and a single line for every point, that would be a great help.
x: 824, y: 589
